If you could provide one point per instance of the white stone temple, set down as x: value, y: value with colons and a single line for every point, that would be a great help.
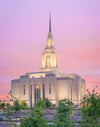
x: 49, y: 82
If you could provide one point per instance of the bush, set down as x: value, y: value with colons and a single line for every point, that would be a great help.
x: 44, y: 103
x: 9, y: 109
x: 40, y: 103
x: 23, y: 105
x: 50, y: 125
x: 2, y: 105
x: 91, y: 109
x: 35, y: 119
x: 16, y: 107
x: 47, y: 103
x: 31, y: 109
x: 54, y: 106
x: 62, y: 119
x: 7, y: 105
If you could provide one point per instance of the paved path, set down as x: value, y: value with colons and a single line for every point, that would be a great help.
x: 76, y: 117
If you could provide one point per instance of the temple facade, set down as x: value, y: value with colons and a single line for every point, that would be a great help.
x: 49, y: 82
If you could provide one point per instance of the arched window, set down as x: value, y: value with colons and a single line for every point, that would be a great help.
x: 24, y: 89
x: 49, y: 88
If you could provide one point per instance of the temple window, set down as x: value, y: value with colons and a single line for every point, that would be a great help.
x: 37, y: 92
x: 43, y: 90
x: 24, y: 89
x: 47, y: 61
x: 49, y: 88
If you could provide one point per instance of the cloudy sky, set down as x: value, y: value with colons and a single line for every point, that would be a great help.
x: 23, y: 34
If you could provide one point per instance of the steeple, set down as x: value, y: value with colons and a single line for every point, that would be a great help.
x: 50, y: 38
x: 49, y: 56
x: 49, y: 22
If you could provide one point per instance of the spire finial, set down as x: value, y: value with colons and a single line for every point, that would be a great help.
x: 49, y: 22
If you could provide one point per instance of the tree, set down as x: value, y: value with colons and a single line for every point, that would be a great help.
x: 62, y: 118
x: 16, y: 107
x: 91, y: 110
x: 10, y: 96
x: 2, y: 105
x: 23, y: 105
x: 35, y: 119
x: 9, y: 109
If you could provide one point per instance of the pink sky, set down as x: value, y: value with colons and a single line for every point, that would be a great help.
x: 23, y: 34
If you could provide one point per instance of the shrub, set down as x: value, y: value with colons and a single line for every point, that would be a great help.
x: 9, y: 109
x: 7, y: 105
x: 40, y: 103
x: 23, y: 105
x: 62, y: 118
x: 91, y: 109
x: 35, y: 119
x: 47, y: 103
x: 2, y: 105
x: 44, y: 103
x: 16, y: 107
x: 53, y: 106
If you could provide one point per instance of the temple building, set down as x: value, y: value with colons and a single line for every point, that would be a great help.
x: 49, y: 82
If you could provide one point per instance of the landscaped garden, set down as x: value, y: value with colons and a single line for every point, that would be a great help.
x: 46, y: 114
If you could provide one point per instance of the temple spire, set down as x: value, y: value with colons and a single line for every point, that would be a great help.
x: 49, y: 22
x: 50, y: 38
